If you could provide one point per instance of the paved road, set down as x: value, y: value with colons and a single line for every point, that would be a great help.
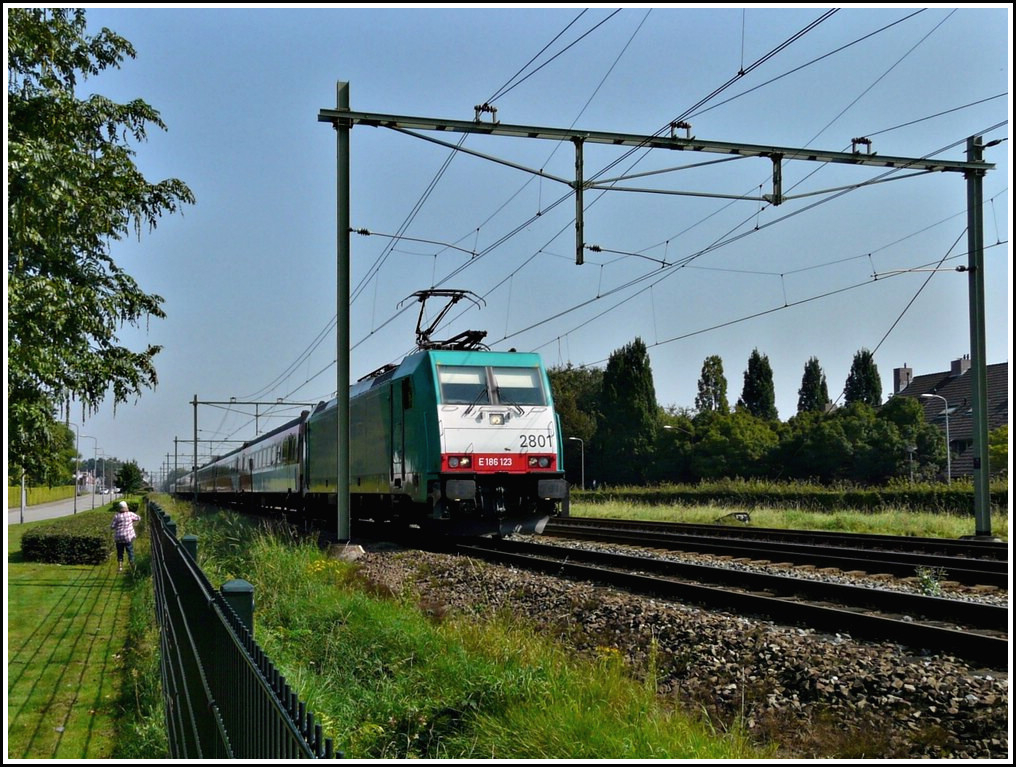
x: 58, y: 508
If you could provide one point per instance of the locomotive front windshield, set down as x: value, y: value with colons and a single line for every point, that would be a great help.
x: 518, y: 386
x: 463, y: 385
x: 474, y: 385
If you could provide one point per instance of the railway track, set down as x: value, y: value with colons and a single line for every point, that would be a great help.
x: 969, y: 630
x: 737, y: 527
x: 966, y: 562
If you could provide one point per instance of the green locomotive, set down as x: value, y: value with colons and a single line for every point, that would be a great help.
x: 454, y: 438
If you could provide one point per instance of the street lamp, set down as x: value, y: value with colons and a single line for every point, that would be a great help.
x: 948, y: 451
x: 94, y: 474
x: 103, y: 459
x: 96, y: 450
x: 582, y: 448
x: 77, y: 461
x: 670, y: 427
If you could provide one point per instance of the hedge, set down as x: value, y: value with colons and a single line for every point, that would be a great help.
x: 957, y: 498
x: 83, y: 539
x: 36, y: 495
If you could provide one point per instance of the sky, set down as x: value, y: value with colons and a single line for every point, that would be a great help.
x: 703, y: 267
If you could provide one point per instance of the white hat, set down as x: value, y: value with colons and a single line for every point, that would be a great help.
x: 123, y: 505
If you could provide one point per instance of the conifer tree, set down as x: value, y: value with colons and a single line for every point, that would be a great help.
x: 626, y: 432
x: 712, y: 387
x: 758, y: 396
x: 863, y: 382
x: 813, y: 396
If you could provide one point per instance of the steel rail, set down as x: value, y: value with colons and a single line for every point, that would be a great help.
x: 953, y: 547
x: 990, y: 572
x: 987, y: 649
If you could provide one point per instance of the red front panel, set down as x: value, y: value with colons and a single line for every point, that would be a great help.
x: 516, y: 463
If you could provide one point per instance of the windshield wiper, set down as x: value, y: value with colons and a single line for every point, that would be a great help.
x: 476, y: 399
x: 508, y: 401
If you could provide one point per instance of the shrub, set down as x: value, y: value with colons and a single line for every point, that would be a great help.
x: 83, y: 539
x: 955, y: 498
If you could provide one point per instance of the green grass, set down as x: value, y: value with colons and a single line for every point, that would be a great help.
x: 388, y: 680
x: 890, y: 522
x: 73, y: 686
x: 387, y: 677
x: 64, y: 638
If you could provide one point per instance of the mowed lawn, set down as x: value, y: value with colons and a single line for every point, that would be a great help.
x: 65, y: 629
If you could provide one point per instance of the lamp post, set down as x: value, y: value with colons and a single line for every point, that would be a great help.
x: 670, y: 427
x: 77, y: 462
x: 96, y: 450
x: 95, y: 465
x: 680, y: 427
x: 103, y: 459
x: 948, y: 451
x: 582, y: 448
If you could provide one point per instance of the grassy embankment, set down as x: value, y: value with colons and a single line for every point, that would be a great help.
x: 932, y: 510
x: 888, y: 522
x: 80, y: 658
x: 387, y: 680
x: 384, y: 679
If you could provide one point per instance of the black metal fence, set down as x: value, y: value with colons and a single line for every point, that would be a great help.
x: 224, y: 698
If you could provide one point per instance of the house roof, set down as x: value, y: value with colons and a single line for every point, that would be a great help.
x: 956, y: 390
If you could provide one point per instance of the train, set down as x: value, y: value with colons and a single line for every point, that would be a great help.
x: 454, y: 439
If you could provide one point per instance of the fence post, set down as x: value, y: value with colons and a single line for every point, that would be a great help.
x: 239, y: 595
x: 190, y: 544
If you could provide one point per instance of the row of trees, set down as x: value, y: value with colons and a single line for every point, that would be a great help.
x: 64, y: 462
x: 628, y: 438
x: 758, y: 395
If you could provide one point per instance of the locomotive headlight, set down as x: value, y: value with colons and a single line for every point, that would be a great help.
x: 539, y: 462
x: 453, y: 462
x: 497, y: 419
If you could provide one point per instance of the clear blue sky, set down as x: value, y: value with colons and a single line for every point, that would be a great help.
x: 249, y: 272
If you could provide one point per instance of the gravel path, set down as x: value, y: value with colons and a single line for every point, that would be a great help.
x: 818, y: 696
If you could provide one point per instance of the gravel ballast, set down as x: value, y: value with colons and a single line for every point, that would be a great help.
x: 815, y: 695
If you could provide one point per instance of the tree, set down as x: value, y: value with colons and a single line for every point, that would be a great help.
x: 57, y: 468
x: 129, y: 478
x: 576, y: 394
x: 73, y: 189
x: 861, y: 444
x: 674, y: 446
x: 813, y: 396
x: 734, y: 445
x: 998, y: 450
x: 758, y: 396
x: 626, y: 432
x: 921, y: 446
x: 712, y: 387
x: 815, y: 447
x: 863, y: 382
